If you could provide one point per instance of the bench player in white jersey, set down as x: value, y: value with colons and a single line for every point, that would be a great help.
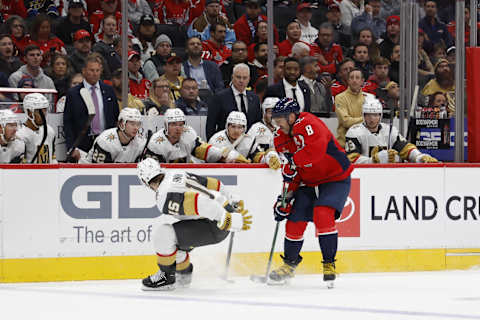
x: 367, y: 142
x: 180, y: 143
x: 40, y: 148
x: 122, y: 144
x: 206, y: 210
x: 12, y: 149
x: 262, y: 131
x: 234, y: 138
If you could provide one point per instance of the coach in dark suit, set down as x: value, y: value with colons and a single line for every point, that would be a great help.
x: 290, y: 87
x: 235, y: 98
x: 75, y: 115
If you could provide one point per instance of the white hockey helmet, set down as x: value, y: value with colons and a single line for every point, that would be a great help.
x: 7, y: 116
x: 236, y: 117
x: 34, y: 101
x: 269, y: 103
x: 372, y: 105
x: 149, y: 169
x: 173, y: 115
x: 129, y: 114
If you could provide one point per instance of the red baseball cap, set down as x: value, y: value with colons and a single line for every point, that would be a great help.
x: 333, y: 6
x: 81, y: 34
x: 303, y: 5
x: 133, y: 53
x: 393, y: 20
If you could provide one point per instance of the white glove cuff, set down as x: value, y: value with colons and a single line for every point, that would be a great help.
x: 269, y: 155
x: 232, y: 156
x: 234, y: 224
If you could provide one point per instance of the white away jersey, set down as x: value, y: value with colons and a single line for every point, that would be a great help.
x: 13, y: 152
x: 262, y: 135
x: 245, y: 147
x: 190, y: 144
x: 33, y: 139
x: 107, y: 148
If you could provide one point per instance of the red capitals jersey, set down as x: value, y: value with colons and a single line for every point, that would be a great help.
x: 174, y: 12
x: 317, y: 155
x: 96, y: 23
x: 14, y: 7
x: 333, y: 54
x: 214, y: 53
x: 140, y: 89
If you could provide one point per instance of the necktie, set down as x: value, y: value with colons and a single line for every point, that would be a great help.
x: 96, y: 127
x: 294, y: 94
x: 242, y: 104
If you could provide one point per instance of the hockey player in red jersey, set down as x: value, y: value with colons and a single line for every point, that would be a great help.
x: 318, y: 175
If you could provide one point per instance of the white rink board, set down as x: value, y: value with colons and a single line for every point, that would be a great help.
x: 37, y: 218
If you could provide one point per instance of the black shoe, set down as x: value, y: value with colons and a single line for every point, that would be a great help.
x: 184, y: 277
x: 163, y: 280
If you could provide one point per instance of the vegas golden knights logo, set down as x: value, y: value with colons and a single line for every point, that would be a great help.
x: 43, y: 155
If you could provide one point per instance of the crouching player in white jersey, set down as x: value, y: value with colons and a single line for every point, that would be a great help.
x: 12, y: 149
x: 38, y: 136
x: 262, y: 131
x: 122, y: 144
x: 368, y: 142
x: 234, y: 138
x: 180, y: 143
x: 206, y: 210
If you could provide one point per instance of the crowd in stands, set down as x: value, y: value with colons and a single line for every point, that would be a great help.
x: 183, y: 53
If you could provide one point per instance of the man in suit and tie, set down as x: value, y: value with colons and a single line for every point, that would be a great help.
x: 75, y: 116
x: 290, y: 86
x: 235, y: 98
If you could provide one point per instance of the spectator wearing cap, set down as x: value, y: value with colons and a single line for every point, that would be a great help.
x: 153, y: 68
x: 425, y: 66
x: 32, y: 69
x: 42, y: 36
x: 34, y: 8
x: 172, y: 69
x: 435, y: 29
x: 139, y: 86
x: 9, y: 63
x: 136, y: 9
x: 350, y: 9
x: 371, y: 19
x: 320, y: 95
x: 177, y: 12
x: 304, y: 15
x: 206, y: 72
x: 239, y: 55
x: 328, y: 53
x: 391, y: 37
x: 75, y: 115
x: 132, y: 101
x: 82, y: 45
x: 341, y: 32
x: 159, y: 98
x: 146, y: 34
x: 200, y: 26
x: 444, y: 82
x: 451, y: 55
x: 294, y: 32
x: 73, y: 22
x: 189, y: 101
x: 245, y: 27
x: 215, y: 48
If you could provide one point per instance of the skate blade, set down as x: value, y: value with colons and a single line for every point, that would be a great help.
x: 258, y: 279
x: 272, y: 282
x: 169, y: 287
x: 330, y: 284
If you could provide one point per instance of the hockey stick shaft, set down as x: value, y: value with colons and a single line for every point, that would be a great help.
x: 45, y: 132
x: 229, y: 256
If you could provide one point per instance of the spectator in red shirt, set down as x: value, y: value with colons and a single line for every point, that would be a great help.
x: 343, y: 69
x: 17, y: 28
x: 42, y: 36
x: 293, y: 35
x: 109, y: 8
x: 246, y: 26
x: 327, y: 53
x: 215, y: 46
x: 174, y: 12
x: 13, y: 7
x: 139, y: 86
x: 452, y: 28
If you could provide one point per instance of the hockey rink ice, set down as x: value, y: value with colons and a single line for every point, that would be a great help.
x: 413, y: 295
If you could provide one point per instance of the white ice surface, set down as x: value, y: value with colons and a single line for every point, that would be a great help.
x: 390, y: 296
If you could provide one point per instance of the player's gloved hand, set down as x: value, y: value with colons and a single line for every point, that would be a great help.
x: 235, y: 221
x: 273, y: 161
x: 288, y: 172
x: 425, y: 158
x: 236, y: 157
x: 384, y: 156
x: 239, y: 206
x: 280, y: 211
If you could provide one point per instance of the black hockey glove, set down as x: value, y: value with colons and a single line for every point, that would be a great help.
x: 281, y: 210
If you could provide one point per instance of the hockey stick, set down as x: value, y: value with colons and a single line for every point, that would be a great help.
x: 229, y: 256
x: 411, y: 112
x: 45, y: 133
x: 87, y: 99
x: 264, y: 279
x: 149, y: 136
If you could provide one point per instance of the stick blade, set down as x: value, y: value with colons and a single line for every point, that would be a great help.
x: 258, y: 278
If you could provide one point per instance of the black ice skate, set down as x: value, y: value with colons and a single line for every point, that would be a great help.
x: 329, y: 273
x: 184, y: 277
x: 163, y: 280
x: 283, y: 274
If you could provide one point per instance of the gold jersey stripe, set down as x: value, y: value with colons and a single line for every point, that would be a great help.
x: 406, y: 151
x: 190, y: 203
x: 167, y: 260
x: 258, y: 157
x: 353, y: 156
x: 184, y: 265
x: 213, y: 184
x: 201, y: 151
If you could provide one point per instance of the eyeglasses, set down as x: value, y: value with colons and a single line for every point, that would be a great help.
x: 17, y: 26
